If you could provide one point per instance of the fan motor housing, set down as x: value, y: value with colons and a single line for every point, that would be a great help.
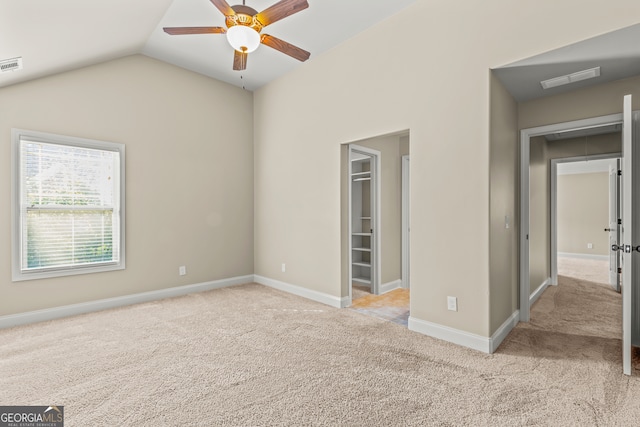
x: 246, y: 16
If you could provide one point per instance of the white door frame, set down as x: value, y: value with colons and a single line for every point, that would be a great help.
x: 406, y: 221
x: 376, y: 240
x: 525, y: 143
x: 629, y: 228
x: 554, y: 203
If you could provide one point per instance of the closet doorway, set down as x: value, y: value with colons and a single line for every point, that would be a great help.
x: 375, y: 226
x: 364, y: 214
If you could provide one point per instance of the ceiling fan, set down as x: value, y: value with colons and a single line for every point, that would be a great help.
x: 243, y: 29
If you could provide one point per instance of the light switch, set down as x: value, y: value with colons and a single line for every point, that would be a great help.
x: 452, y: 303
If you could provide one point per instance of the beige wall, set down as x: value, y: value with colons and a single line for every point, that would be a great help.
x: 189, y: 174
x: 404, y: 146
x: 594, y: 101
x: 366, y: 87
x: 539, y: 215
x: 360, y: 89
x: 503, y: 242
x: 583, y: 213
x: 592, y: 145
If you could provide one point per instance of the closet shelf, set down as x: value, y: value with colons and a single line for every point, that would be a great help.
x: 362, y: 264
x: 361, y: 179
x: 362, y: 249
x: 361, y: 234
x: 362, y: 280
x: 365, y: 173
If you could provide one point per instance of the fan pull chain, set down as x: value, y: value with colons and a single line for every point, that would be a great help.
x: 241, y: 78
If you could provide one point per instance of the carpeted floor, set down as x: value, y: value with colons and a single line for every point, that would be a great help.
x: 254, y: 356
x: 592, y: 270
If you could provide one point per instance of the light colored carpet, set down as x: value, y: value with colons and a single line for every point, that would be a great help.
x: 584, y: 269
x: 254, y: 356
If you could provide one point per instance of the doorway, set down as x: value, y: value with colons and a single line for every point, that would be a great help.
x: 364, y: 214
x: 585, y: 211
x: 528, y: 193
x: 375, y: 212
x: 630, y: 122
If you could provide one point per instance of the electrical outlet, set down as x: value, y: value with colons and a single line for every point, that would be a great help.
x: 182, y: 270
x: 284, y: 267
x: 452, y: 303
x: 589, y: 245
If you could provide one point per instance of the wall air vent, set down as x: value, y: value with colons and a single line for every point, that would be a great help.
x: 13, y: 64
x: 571, y: 78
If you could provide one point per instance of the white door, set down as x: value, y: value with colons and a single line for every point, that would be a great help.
x: 627, y: 232
x: 614, y: 197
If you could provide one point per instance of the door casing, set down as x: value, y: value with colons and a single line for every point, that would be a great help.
x: 406, y: 220
x: 525, y: 144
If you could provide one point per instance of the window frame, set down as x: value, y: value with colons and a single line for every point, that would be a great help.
x: 17, y: 273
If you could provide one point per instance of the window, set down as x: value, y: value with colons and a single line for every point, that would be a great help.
x: 68, y: 205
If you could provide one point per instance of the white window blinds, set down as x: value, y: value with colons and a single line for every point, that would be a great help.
x: 69, y: 206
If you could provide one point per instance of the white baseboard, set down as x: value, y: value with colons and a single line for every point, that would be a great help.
x: 463, y: 338
x: 389, y: 286
x: 452, y: 335
x: 536, y: 294
x: 321, y: 297
x: 103, y: 304
x: 583, y: 256
x: 502, y: 332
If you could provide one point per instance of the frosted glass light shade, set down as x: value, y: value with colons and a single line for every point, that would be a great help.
x: 243, y: 38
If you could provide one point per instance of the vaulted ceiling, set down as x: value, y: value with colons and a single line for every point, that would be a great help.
x: 61, y: 35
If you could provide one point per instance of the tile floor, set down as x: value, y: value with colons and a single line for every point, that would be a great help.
x: 392, y: 306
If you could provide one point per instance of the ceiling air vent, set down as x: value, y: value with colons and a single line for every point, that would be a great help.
x: 571, y: 78
x: 12, y: 64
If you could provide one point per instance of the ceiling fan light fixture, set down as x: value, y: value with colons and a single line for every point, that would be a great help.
x: 243, y: 38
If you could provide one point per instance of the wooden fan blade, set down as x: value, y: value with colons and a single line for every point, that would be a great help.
x: 284, y: 47
x: 194, y: 30
x: 240, y: 60
x: 281, y: 10
x: 223, y: 7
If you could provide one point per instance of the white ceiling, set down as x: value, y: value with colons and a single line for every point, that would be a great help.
x: 616, y: 53
x: 61, y: 35
x: 56, y: 36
